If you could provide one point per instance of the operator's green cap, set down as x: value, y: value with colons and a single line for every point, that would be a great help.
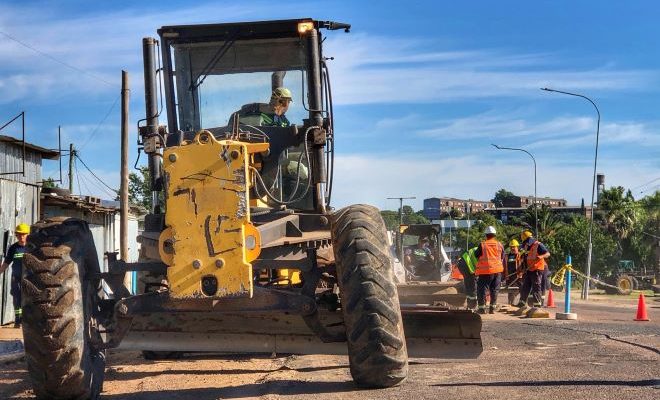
x: 282, y: 93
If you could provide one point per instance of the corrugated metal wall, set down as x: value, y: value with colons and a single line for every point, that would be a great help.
x: 11, y: 160
x: 19, y: 203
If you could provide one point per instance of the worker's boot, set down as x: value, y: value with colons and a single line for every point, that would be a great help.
x: 522, y: 308
x: 481, y: 310
x: 17, y: 321
x: 492, y: 309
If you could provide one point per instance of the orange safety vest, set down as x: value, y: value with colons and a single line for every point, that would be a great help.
x: 534, y: 263
x: 456, y: 273
x: 490, y: 260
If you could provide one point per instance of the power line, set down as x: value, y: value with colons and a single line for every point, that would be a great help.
x: 84, y: 182
x: 91, y: 136
x: 647, y: 183
x: 97, y: 186
x: 52, y: 58
x: 94, y: 175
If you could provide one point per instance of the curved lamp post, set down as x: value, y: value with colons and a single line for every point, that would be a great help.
x: 585, y: 288
x: 536, y: 215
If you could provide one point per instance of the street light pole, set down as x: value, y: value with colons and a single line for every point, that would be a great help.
x: 536, y: 214
x: 401, y: 199
x: 585, y: 288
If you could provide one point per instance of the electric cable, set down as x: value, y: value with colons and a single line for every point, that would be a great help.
x: 52, y: 58
x: 95, y: 131
x: 94, y: 175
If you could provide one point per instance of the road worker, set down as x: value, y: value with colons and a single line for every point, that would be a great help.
x: 490, y: 265
x: 419, y: 260
x: 512, y: 266
x: 534, y: 263
x: 280, y: 100
x: 467, y: 264
x: 14, y: 257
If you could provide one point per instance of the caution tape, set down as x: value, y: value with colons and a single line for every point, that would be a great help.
x: 559, y: 277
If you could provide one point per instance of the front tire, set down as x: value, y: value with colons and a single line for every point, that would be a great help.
x: 60, y: 298
x: 374, y: 329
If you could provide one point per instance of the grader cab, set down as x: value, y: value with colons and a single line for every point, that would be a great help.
x: 242, y: 251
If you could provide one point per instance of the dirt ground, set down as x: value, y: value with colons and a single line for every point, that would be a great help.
x: 603, y: 355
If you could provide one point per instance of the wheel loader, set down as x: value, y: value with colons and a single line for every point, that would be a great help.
x: 430, y: 281
x: 242, y: 251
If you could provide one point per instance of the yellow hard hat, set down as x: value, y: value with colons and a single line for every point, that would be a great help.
x: 281, y: 93
x: 514, y: 243
x: 525, y: 235
x: 23, y: 228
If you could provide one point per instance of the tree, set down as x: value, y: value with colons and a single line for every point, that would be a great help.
x: 572, y: 239
x: 617, y: 212
x: 549, y: 222
x: 50, y: 183
x: 500, y: 195
x: 409, y: 217
x: 476, y: 232
x: 139, y: 188
x: 391, y: 219
x: 643, y: 243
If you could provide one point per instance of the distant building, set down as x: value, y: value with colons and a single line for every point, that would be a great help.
x: 20, y: 184
x: 437, y: 207
x: 504, y: 214
x: 526, y: 201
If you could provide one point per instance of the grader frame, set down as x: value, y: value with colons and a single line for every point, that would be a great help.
x: 217, y: 240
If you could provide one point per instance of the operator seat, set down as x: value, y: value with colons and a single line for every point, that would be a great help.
x: 250, y: 114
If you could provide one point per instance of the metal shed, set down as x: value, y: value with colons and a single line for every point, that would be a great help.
x: 102, y: 217
x: 20, y: 181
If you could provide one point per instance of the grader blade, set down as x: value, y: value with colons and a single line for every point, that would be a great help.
x: 431, y: 332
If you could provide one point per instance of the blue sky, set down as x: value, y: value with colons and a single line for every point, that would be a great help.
x: 421, y: 89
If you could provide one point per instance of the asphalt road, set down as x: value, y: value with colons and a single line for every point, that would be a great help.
x: 603, y: 355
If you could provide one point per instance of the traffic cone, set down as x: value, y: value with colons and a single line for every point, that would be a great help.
x: 641, y: 309
x: 551, y: 300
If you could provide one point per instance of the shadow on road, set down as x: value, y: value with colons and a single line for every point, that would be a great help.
x: 644, y: 382
x: 279, y: 387
x: 120, y: 375
x: 19, y: 376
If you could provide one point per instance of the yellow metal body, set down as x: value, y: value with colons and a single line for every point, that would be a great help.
x: 208, y: 231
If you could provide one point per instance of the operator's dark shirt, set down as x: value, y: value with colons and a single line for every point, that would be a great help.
x: 14, y: 257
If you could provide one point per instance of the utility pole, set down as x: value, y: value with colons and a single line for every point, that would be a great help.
x: 123, y: 190
x: 72, y: 154
x: 401, y: 199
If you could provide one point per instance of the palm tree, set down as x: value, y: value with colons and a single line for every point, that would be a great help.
x: 617, y: 212
x: 549, y: 222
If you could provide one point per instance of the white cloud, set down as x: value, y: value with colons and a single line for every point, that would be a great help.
x: 373, y: 178
x: 503, y: 125
x: 370, y: 70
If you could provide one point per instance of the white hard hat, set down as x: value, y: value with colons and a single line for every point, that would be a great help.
x: 490, y: 230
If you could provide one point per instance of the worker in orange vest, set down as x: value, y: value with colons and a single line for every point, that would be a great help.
x: 535, y: 255
x: 490, y: 265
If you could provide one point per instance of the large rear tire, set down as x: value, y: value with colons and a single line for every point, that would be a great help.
x: 625, y: 284
x: 374, y: 329
x: 60, y: 297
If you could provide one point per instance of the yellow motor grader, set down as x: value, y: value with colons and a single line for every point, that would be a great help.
x: 242, y: 251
